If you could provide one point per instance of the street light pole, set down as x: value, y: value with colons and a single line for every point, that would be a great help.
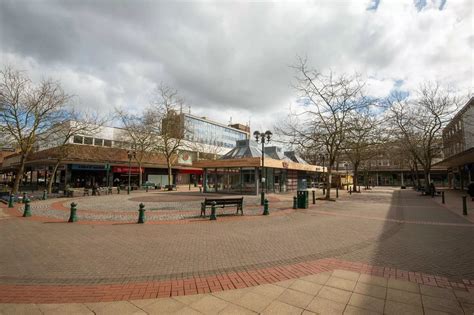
x: 263, y: 136
x: 323, y: 157
x: 347, y: 175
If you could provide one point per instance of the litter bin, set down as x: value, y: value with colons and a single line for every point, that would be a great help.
x: 303, y: 200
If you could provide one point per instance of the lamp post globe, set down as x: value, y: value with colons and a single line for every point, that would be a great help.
x: 263, y: 137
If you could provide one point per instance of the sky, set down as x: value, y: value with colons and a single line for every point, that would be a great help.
x: 231, y: 60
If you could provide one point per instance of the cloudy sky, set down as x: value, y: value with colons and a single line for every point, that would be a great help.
x: 232, y: 58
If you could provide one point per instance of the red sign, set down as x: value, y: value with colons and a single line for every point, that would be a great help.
x: 124, y: 169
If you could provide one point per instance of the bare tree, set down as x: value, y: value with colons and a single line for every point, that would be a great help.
x: 28, y: 110
x: 327, y: 101
x: 60, y: 135
x: 362, y: 139
x: 169, y: 125
x: 140, y: 135
x: 420, y: 121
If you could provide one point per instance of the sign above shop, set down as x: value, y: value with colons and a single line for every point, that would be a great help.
x: 124, y: 169
x: 85, y: 167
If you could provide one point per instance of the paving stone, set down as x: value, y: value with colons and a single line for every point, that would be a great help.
x: 187, y: 299
x: 371, y: 290
x: 398, y: 308
x: 187, y: 311
x: 306, y: 287
x: 367, y: 302
x: 306, y: 312
x: 277, y: 307
x: 286, y: 283
x: 163, y: 306
x: 439, y: 292
x: 404, y: 297
x: 121, y: 307
x: 320, y: 278
x: 254, y: 302
x: 7, y: 309
x: 232, y: 309
x: 295, y: 298
x: 433, y: 312
x: 323, y: 306
x: 60, y: 309
x: 334, y: 294
x: 353, y: 310
x: 440, y: 304
x: 468, y: 308
x: 373, y: 280
x: 269, y: 290
x: 464, y: 296
x: 339, y: 283
x: 344, y: 274
x: 209, y: 304
x: 403, y: 285
x: 231, y: 295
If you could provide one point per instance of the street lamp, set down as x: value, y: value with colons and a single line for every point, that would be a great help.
x: 131, y: 155
x: 264, y: 137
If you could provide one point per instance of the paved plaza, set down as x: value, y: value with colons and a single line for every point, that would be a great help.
x: 383, y: 251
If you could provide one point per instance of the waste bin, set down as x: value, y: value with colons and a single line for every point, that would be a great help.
x: 302, y: 199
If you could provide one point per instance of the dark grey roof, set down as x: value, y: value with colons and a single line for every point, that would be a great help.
x: 276, y: 153
x: 295, y: 157
x: 245, y: 149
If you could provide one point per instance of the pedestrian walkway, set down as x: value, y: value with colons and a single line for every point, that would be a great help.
x: 334, y: 292
x: 453, y: 202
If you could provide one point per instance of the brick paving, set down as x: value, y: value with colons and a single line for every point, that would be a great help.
x: 408, y: 236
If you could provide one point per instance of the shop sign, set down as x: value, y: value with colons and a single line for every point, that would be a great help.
x: 285, y: 164
x: 85, y: 167
x: 185, y: 158
x: 124, y: 169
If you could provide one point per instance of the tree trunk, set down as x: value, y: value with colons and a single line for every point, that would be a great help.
x: 140, y: 176
x: 328, y: 182
x: 53, y: 175
x: 355, y: 179
x: 168, y: 162
x: 19, y: 175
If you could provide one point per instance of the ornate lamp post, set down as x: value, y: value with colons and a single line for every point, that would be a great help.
x: 131, y: 155
x: 263, y: 137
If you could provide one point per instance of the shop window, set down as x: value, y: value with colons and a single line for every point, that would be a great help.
x: 99, y: 142
x: 77, y: 139
x: 107, y: 143
x: 87, y: 140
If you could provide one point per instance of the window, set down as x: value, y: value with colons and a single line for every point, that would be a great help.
x: 87, y: 140
x: 107, y: 143
x: 99, y: 142
x: 77, y: 139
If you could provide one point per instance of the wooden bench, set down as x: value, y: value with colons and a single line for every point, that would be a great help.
x: 222, y: 203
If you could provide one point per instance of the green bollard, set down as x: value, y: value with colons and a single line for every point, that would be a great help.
x: 265, y: 207
x: 45, y: 195
x: 314, y: 197
x: 294, y: 202
x: 262, y: 198
x: 442, y: 197
x: 10, y: 201
x: 141, y: 213
x: 24, y: 198
x: 464, y: 205
x: 73, y: 216
x: 213, y: 211
x: 27, y: 212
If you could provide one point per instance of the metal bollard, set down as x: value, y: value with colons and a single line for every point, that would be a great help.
x: 464, y: 205
x: 265, y: 207
x: 118, y: 190
x: 24, y: 197
x: 73, y: 216
x: 324, y: 191
x: 314, y: 197
x: 27, y: 212
x: 294, y: 202
x: 442, y: 197
x: 262, y: 198
x: 213, y: 211
x: 146, y: 188
x: 359, y: 188
x: 337, y: 192
x: 10, y: 201
x: 141, y: 213
x: 45, y: 195
x: 350, y: 190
